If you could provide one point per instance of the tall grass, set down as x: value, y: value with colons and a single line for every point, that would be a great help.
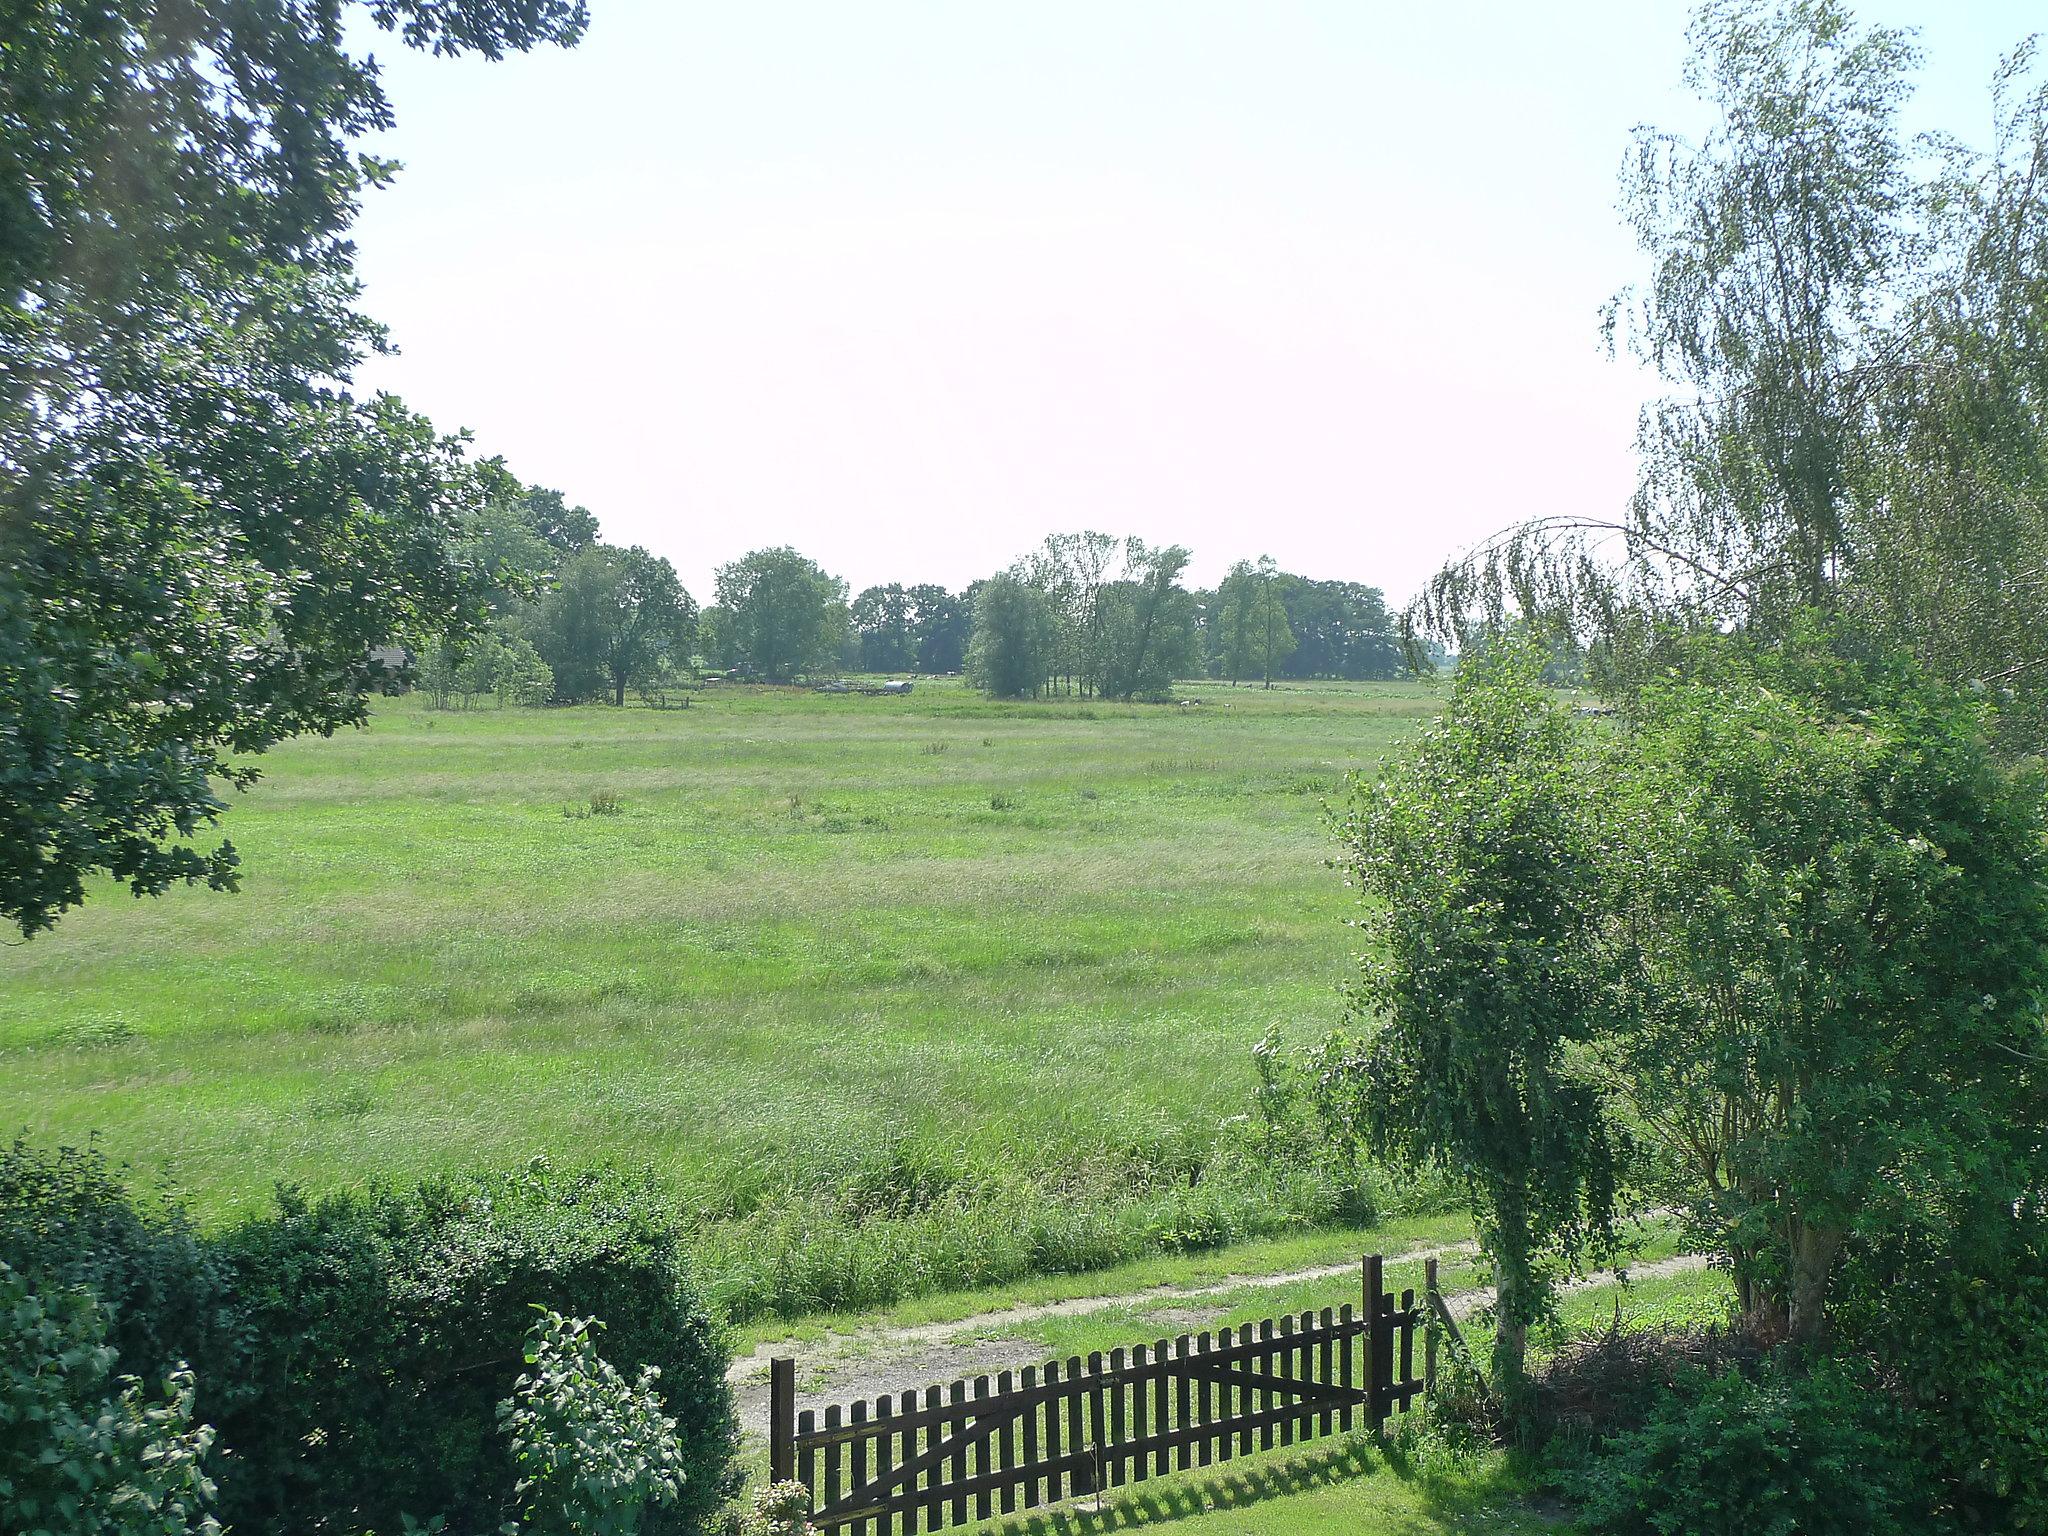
x: 879, y: 1016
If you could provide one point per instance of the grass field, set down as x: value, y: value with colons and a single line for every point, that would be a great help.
x: 1342, y: 1488
x: 893, y: 993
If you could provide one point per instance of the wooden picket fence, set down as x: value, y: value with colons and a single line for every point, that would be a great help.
x: 977, y: 1448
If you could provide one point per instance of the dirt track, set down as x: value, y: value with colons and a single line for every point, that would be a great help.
x: 877, y: 1359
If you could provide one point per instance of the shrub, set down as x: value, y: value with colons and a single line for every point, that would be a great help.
x: 595, y: 1452
x: 780, y: 1509
x: 66, y: 1221
x: 1599, y: 1384
x: 352, y: 1351
x: 82, y: 1454
x: 1965, y: 1320
x: 384, y: 1329
x: 1828, y: 1454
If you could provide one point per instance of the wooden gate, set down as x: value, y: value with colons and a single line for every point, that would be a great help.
x: 977, y: 1448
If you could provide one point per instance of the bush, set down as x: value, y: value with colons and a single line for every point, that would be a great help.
x: 1600, y: 1384
x: 352, y: 1351
x: 1828, y: 1454
x: 780, y: 1509
x: 66, y: 1221
x: 1965, y: 1320
x: 595, y: 1452
x: 384, y: 1329
x: 81, y: 1454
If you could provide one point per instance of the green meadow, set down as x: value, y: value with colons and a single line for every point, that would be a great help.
x: 892, y: 994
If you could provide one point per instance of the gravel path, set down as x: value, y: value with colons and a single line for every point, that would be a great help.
x: 872, y: 1360
x: 875, y: 1359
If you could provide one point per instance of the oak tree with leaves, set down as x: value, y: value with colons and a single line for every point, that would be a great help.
x: 204, y: 533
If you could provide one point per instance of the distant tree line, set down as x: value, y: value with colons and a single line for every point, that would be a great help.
x: 577, y: 620
x: 1085, y: 615
x: 1091, y: 615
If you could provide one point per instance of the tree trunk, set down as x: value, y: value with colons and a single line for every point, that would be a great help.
x: 1514, y: 1284
x: 1759, y: 1303
x: 1814, y: 1250
x: 619, y: 692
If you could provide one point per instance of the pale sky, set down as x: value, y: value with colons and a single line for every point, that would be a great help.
x: 910, y: 285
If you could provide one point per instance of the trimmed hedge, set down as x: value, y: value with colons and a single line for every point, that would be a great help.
x: 352, y: 1350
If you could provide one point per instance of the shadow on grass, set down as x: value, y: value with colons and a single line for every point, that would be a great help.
x: 1487, y: 1498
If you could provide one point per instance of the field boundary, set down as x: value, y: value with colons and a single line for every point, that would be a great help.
x: 894, y: 1464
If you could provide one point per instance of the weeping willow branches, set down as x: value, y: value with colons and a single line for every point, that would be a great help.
x: 1853, y: 329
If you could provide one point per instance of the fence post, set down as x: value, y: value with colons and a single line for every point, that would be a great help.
x: 781, y: 1420
x: 1429, y: 1294
x: 1374, y: 1407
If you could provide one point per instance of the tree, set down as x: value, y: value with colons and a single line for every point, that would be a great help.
x: 1071, y: 569
x: 715, y: 638
x: 518, y: 675
x: 944, y: 623
x: 519, y: 540
x: 1834, y: 902
x: 203, y: 535
x: 1478, y: 856
x: 782, y: 613
x: 1255, y: 633
x: 1233, y: 638
x: 435, y: 671
x: 1015, y: 637
x: 1275, y: 640
x: 1856, y: 336
x: 617, y: 618
x: 1145, y: 624
x: 565, y: 529
x: 882, y: 620
x: 1343, y: 630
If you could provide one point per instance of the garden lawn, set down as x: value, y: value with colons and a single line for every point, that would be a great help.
x: 1341, y: 1488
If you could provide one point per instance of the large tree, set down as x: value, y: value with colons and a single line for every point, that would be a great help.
x: 884, y: 624
x: 780, y: 614
x: 1252, y: 623
x: 1342, y: 629
x: 1147, y: 634
x: 203, y: 534
x: 1831, y: 903
x: 1015, y: 638
x: 1123, y: 625
x: 944, y: 623
x: 1072, y: 569
x: 617, y: 619
x: 1230, y: 623
x: 1855, y: 330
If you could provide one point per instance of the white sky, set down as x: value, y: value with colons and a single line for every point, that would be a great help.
x: 910, y: 285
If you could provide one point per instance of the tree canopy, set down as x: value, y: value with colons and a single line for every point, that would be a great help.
x: 1253, y: 637
x: 1014, y: 638
x: 922, y: 628
x: 1479, y: 857
x: 616, y: 620
x: 1831, y: 910
x: 779, y: 614
x: 1854, y: 327
x: 1123, y: 625
x: 203, y: 534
